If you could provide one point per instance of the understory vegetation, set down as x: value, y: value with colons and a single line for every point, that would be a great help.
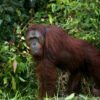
x: 79, y: 18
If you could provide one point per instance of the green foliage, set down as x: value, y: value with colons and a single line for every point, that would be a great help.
x: 80, y: 18
x: 15, y: 70
x: 73, y: 97
x: 12, y: 14
x: 17, y: 76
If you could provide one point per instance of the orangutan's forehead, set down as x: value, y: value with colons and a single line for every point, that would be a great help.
x: 34, y: 33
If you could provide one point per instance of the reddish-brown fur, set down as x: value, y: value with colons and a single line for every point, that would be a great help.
x: 66, y: 53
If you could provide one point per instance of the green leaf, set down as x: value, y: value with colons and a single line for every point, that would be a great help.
x: 22, y: 79
x: 50, y: 19
x: 8, y: 18
x: 1, y: 92
x: 10, y: 9
x: 18, y: 30
x: 15, y: 25
x: 13, y: 83
x: 1, y: 74
x: 9, y: 62
x: 18, y: 59
x: 84, y: 97
x: 53, y: 8
x: 18, y: 12
x: 70, y: 96
x: 5, y: 80
x: 1, y: 9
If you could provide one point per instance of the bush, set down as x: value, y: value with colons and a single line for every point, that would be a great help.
x: 80, y: 18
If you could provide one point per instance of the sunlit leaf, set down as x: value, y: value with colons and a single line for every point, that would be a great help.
x: 18, y: 12
x: 53, y: 8
x: 1, y: 92
x: 5, y: 80
x: 70, y: 96
x: 83, y: 96
x: 18, y: 30
x: 50, y: 19
x: 22, y: 79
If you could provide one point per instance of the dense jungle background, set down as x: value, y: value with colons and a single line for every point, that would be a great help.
x: 79, y: 18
